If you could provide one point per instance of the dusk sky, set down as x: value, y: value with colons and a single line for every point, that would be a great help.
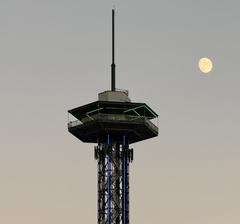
x: 56, y: 55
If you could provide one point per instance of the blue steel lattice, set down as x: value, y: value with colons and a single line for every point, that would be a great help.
x: 113, y: 181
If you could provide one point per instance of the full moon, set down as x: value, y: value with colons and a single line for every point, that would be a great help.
x: 205, y: 65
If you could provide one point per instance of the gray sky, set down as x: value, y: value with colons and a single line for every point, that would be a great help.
x: 56, y: 55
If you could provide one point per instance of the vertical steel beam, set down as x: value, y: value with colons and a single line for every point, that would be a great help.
x: 109, y: 182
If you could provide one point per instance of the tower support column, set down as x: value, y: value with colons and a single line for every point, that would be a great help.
x: 113, y: 181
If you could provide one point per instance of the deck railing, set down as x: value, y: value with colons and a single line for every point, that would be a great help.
x: 114, y: 117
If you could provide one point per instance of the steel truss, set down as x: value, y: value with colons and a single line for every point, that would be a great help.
x: 113, y: 181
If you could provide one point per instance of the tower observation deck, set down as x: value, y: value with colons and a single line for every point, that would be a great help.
x: 113, y: 122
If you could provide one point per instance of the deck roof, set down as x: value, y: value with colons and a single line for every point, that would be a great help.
x: 109, y: 107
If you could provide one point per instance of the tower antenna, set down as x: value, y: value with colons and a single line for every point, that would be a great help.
x: 113, y: 67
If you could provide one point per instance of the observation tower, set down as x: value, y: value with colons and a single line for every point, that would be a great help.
x: 113, y: 122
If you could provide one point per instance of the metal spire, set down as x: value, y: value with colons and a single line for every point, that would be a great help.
x: 113, y: 67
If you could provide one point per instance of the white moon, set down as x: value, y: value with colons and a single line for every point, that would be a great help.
x: 205, y: 65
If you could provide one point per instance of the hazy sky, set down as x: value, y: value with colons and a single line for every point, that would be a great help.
x: 56, y: 55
